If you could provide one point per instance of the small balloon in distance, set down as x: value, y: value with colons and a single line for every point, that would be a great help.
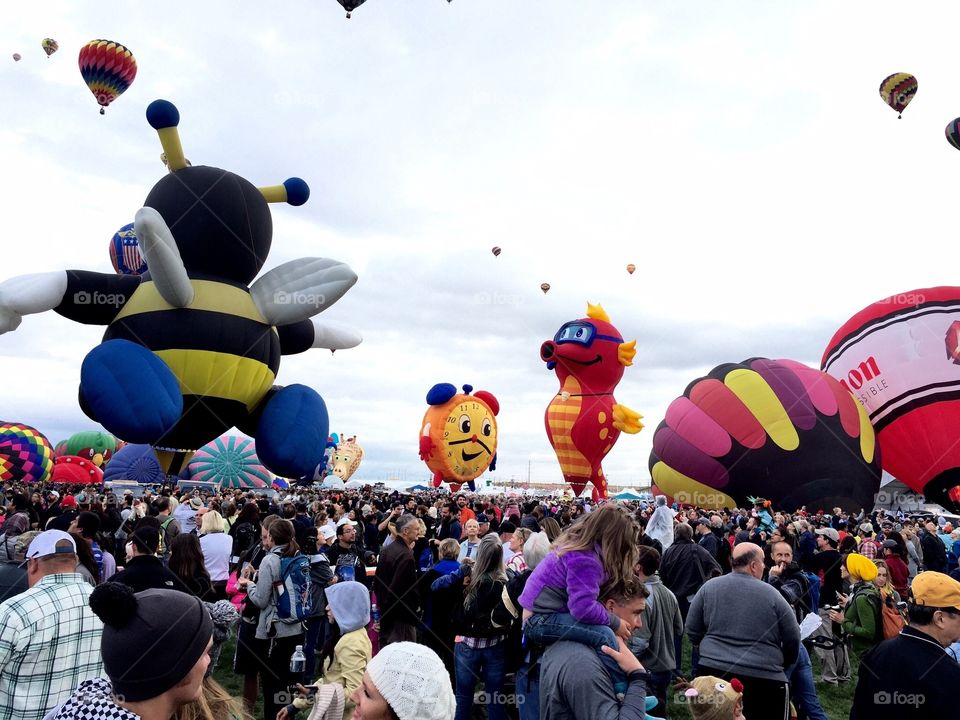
x: 16, y: 57
x: 952, y: 131
x: 898, y: 90
x: 631, y: 268
x: 50, y: 46
x: 545, y: 287
x: 496, y: 251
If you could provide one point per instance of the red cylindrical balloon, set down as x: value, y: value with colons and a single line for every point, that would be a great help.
x: 900, y: 357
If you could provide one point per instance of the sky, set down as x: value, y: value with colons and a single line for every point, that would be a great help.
x: 738, y: 153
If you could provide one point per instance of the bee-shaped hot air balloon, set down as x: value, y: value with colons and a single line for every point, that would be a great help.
x: 458, y: 437
x: 190, y: 350
x: 584, y: 420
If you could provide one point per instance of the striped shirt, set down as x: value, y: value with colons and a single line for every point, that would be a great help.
x: 49, y: 644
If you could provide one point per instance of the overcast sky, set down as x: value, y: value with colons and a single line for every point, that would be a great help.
x: 737, y: 152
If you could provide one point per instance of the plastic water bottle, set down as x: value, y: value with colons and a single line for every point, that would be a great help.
x: 375, y: 617
x: 298, y: 662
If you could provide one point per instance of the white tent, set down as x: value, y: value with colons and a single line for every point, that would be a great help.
x: 332, y: 482
x: 355, y: 484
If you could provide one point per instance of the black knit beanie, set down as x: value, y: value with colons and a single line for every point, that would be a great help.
x: 151, y: 640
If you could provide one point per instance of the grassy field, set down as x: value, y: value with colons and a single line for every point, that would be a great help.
x: 836, y: 701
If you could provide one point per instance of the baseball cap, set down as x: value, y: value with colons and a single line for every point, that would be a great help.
x: 328, y: 532
x: 344, y: 520
x: 890, y: 543
x: 867, y: 528
x: 934, y: 589
x: 482, y: 518
x: 54, y: 494
x: 46, y: 544
x: 830, y: 533
x: 68, y: 502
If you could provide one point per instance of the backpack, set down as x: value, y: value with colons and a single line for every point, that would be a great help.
x: 245, y: 536
x: 293, y: 590
x: 813, y: 586
x: 879, y: 607
x: 162, y: 547
x: 892, y: 620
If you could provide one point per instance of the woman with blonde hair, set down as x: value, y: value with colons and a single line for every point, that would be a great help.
x: 517, y: 563
x: 214, y: 703
x: 883, y: 583
x: 217, y: 547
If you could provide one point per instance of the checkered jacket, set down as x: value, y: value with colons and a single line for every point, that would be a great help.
x: 49, y: 644
x: 93, y: 700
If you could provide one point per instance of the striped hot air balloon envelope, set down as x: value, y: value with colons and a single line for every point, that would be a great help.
x: 230, y: 461
x: 108, y: 68
x: 136, y: 463
x: 898, y: 90
x: 770, y: 428
x: 125, y: 253
x: 25, y: 454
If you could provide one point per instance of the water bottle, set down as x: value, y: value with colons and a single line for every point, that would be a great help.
x: 375, y: 617
x: 298, y: 662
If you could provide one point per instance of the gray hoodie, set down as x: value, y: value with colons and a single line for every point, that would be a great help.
x: 350, y: 602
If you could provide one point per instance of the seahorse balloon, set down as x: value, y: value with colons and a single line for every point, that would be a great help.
x: 584, y: 420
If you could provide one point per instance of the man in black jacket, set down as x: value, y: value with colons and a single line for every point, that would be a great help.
x: 144, y: 570
x: 934, y: 551
x: 346, y: 556
x: 911, y: 676
x: 395, y: 585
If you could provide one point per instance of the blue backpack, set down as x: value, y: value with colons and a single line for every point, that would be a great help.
x: 813, y: 585
x: 293, y: 590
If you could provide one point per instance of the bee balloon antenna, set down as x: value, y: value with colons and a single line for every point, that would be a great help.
x: 294, y: 191
x: 164, y: 117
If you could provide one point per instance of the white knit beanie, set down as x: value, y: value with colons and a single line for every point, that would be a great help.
x: 413, y: 680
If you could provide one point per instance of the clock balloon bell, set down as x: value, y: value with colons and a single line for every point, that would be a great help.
x: 458, y: 438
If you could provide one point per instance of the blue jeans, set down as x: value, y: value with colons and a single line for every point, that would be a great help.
x: 528, y: 692
x: 803, y: 692
x: 470, y: 663
x: 549, y: 628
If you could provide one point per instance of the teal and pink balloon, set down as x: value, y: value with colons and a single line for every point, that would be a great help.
x: 230, y: 461
x: 25, y: 454
x: 775, y: 429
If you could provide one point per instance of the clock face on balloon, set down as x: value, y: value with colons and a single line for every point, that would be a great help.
x: 458, y: 438
x: 469, y: 438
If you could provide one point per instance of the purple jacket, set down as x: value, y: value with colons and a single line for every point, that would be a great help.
x: 569, y: 584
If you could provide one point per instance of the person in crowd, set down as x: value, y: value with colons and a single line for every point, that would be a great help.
x: 169, y: 527
x: 143, y: 570
x: 684, y: 568
x: 884, y: 583
x: 186, y: 513
x: 245, y: 533
x: 439, y: 605
x: 910, y: 676
x: 660, y: 525
x: 395, y: 585
x: 934, y: 551
x: 348, y: 606
x: 551, y: 527
x: 914, y: 550
x: 517, y: 564
x: 653, y: 641
x: 86, y: 563
x: 561, y: 596
x: 827, y: 563
x: 142, y: 685
x: 49, y: 637
x: 15, y: 525
x: 471, y: 541
x: 706, y: 537
x: 217, y: 548
x: 280, y: 638
x: 859, y: 620
x: 186, y: 562
x: 868, y: 547
x: 13, y: 573
x: 898, y: 571
x: 404, y: 681
x: 577, y: 685
x: 745, y: 629
x: 321, y: 578
x: 506, y: 531
x: 345, y: 555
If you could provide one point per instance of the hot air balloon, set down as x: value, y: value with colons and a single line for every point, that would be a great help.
x: 350, y: 5
x: 137, y: 463
x: 108, y: 69
x: 50, y: 46
x: 631, y: 268
x: 25, y: 454
x: 16, y: 57
x: 897, y: 91
x: 952, y: 132
x: 125, y: 255
x: 771, y: 428
x: 495, y: 251
x: 73, y: 470
x: 545, y: 287
x: 93, y: 445
x: 347, y: 458
x: 898, y: 356
x: 230, y: 461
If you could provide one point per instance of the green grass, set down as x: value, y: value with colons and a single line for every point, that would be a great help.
x: 233, y: 683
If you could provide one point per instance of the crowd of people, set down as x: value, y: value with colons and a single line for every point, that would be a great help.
x: 376, y: 604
